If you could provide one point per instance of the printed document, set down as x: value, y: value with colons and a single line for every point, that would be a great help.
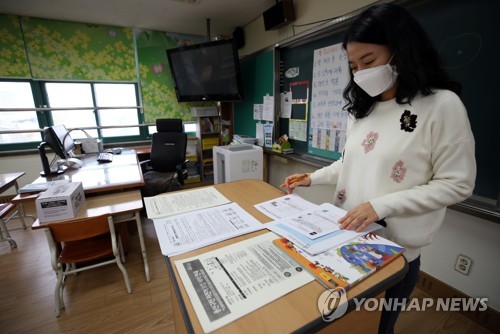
x: 228, y: 283
x: 179, y: 202
x: 192, y: 230
x: 316, y: 230
x: 321, y: 244
x: 317, y: 222
x: 284, y: 206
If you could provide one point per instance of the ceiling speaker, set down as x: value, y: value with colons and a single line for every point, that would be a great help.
x: 278, y: 15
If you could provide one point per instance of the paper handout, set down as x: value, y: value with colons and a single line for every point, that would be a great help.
x: 316, y: 230
x: 317, y: 222
x: 179, y: 202
x: 284, y: 206
x: 191, y: 230
x: 228, y: 283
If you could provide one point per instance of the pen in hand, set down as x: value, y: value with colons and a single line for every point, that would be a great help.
x: 297, y: 179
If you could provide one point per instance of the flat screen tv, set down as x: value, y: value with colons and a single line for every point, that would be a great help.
x: 206, y: 72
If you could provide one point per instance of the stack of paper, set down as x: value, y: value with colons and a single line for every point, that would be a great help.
x: 189, y: 220
x: 244, y: 139
x: 313, y: 228
x: 311, y: 236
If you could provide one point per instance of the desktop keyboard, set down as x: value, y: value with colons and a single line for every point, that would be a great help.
x: 104, y: 157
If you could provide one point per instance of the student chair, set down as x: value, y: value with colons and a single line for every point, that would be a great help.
x: 83, y: 244
x: 166, y: 170
x: 9, y: 211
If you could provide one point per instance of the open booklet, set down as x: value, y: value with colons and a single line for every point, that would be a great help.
x: 348, y: 263
x: 316, y: 230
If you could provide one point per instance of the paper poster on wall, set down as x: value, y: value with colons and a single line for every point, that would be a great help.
x: 286, y: 104
x: 327, y: 139
x: 268, y: 108
x: 268, y: 135
x: 297, y: 130
x: 257, y: 111
x: 330, y: 77
x: 259, y: 133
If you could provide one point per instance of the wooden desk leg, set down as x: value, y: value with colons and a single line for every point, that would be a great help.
x: 22, y: 211
x: 143, y: 246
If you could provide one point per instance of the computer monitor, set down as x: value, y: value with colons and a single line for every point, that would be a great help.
x: 58, y: 138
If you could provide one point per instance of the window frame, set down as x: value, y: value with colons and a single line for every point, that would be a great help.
x: 44, y: 113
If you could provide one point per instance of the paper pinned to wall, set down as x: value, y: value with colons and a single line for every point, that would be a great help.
x: 257, y: 111
x: 268, y: 109
x: 298, y: 130
x: 259, y: 133
x: 268, y: 135
x: 286, y: 104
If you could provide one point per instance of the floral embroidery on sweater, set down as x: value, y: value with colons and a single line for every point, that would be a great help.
x: 398, y: 171
x: 408, y: 121
x: 370, y: 140
x: 341, y: 197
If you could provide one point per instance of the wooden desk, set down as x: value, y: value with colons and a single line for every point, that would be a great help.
x: 9, y: 180
x: 123, y: 206
x: 123, y: 173
x: 296, y: 311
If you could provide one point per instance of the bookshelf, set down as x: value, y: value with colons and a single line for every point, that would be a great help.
x: 208, y: 130
x: 193, y: 164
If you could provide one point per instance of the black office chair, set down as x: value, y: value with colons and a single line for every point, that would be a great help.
x: 166, y: 169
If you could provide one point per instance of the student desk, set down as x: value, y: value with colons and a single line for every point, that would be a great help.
x: 9, y: 180
x: 120, y: 205
x: 108, y: 187
x: 124, y: 172
x: 294, y: 312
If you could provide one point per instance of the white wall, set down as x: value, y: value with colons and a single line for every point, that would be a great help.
x: 460, y: 234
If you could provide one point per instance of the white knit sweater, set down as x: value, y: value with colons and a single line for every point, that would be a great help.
x: 410, y: 162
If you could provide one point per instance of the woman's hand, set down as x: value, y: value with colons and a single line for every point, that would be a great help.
x: 296, y: 180
x: 359, y: 217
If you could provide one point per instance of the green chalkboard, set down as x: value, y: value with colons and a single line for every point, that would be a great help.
x: 257, y: 73
x: 466, y: 34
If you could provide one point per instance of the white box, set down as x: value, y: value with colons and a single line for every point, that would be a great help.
x: 237, y: 162
x: 91, y: 145
x: 60, y: 201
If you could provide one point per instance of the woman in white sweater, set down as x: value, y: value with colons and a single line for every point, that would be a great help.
x: 409, y: 151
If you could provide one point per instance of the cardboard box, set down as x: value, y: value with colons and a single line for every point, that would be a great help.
x: 60, y: 202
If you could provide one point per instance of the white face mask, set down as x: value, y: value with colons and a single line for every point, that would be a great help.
x: 374, y: 81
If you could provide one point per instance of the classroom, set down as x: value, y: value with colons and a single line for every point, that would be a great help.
x: 107, y: 76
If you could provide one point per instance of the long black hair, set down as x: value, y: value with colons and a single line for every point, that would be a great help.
x: 417, y: 61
